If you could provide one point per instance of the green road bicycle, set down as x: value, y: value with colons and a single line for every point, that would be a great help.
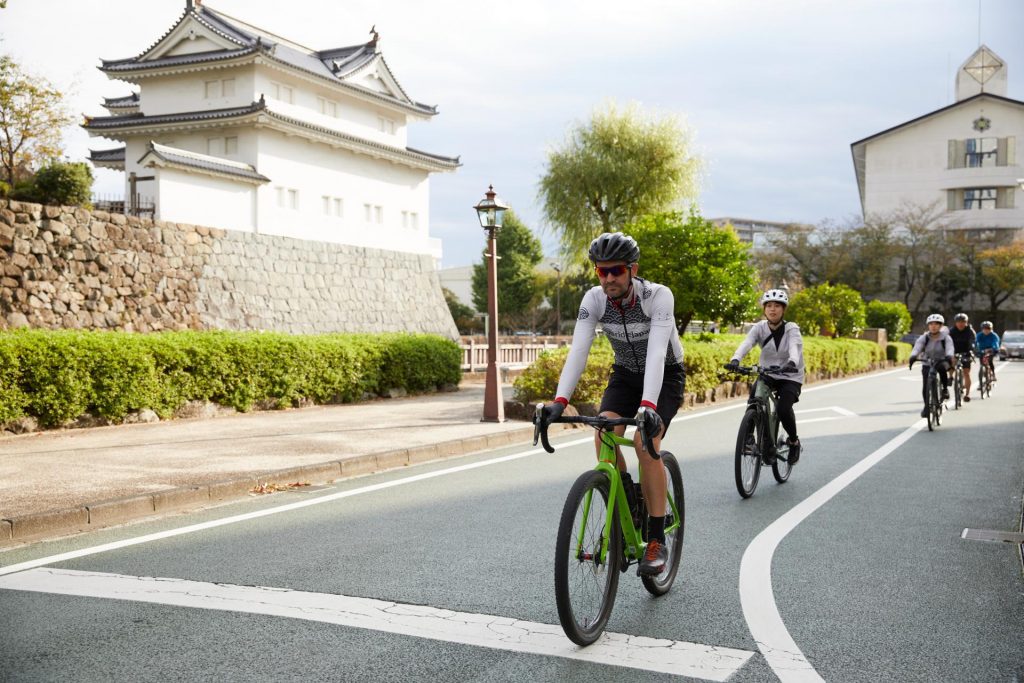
x: 758, y: 433
x: 601, y: 534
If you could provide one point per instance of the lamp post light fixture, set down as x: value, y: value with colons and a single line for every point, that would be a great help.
x: 491, y: 212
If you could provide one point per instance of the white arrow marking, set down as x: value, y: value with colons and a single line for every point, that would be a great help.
x: 482, y: 630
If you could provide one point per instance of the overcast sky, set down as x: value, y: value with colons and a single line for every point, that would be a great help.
x: 774, y: 91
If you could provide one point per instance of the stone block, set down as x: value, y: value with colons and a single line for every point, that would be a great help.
x: 393, y: 459
x: 362, y: 464
x: 232, y: 488
x: 120, y: 510
x: 55, y: 523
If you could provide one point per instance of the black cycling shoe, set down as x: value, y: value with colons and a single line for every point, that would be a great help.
x: 924, y: 411
x: 794, y: 451
x: 945, y: 394
x: 654, y: 559
x: 770, y: 456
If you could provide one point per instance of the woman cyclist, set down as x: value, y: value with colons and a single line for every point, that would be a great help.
x: 937, y: 345
x: 781, y: 346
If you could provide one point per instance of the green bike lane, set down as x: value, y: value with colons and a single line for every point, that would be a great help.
x: 481, y: 541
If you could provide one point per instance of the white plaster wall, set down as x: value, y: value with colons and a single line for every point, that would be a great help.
x: 204, y: 200
x: 355, y: 116
x: 460, y: 281
x: 316, y: 170
x: 187, y: 92
x: 910, y: 165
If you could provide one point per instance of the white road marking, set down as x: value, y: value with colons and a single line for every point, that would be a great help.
x: 817, y: 419
x: 482, y: 630
x: 756, y: 596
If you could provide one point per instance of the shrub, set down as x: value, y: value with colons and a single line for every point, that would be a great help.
x: 703, y: 358
x: 57, y: 376
x: 898, y: 352
x: 834, y: 310
x: 64, y: 183
x: 892, y: 315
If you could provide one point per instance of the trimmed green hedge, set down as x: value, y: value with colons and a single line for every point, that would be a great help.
x: 703, y: 357
x: 56, y: 376
x: 898, y: 352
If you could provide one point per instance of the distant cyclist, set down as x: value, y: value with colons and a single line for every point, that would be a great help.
x: 987, y: 340
x: 963, y: 343
x: 781, y: 346
x: 638, y: 318
x: 937, y: 345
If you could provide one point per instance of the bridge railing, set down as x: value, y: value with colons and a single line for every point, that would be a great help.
x: 511, y: 351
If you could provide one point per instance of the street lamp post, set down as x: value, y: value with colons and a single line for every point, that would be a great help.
x: 491, y: 212
x: 558, y: 298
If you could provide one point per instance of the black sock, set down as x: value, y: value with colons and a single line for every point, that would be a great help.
x: 656, y: 528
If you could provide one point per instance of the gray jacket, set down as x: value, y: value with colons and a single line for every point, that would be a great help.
x: 937, y: 349
x: 790, y: 347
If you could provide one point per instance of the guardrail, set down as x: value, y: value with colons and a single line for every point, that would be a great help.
x: 510, y: 353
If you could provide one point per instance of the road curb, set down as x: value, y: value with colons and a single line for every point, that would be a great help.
x: 106, y: 513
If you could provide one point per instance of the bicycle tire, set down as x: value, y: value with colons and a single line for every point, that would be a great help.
x: 958, y: 386
x: 584, y: 587
x: 934, y: 401
x: 782, y: 468
x: 747, y: 468
x: 982, y: 379
x: 661, y: 583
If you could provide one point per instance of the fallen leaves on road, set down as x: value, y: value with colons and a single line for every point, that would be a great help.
x: 273, y: 487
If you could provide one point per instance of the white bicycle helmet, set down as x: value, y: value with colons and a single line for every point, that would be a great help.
x: 775, y: 295
x: 987, y: 324
x: 936, y: 318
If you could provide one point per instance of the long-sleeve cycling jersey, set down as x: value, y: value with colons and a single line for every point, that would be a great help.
x: 963, y: 340
x: 642, y: 332
x: 939, y: 347
x: 984, y: 342
x: 778, y: 346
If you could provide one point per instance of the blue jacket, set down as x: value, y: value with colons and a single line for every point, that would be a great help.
x: 986, y: 341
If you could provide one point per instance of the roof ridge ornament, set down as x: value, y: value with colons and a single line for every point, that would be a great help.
x: 375, y: 39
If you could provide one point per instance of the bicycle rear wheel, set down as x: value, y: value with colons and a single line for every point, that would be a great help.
x: 958, y: 386
x: 674, y: 526
x: 585, y: 584
x: 982, y: 379
x: 748, y: 453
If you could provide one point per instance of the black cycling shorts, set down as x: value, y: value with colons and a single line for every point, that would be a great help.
x: 626, y: 388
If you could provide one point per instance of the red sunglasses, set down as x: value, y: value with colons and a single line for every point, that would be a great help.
x: 614, y: 271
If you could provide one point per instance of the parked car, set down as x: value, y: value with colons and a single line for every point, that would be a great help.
x: 1012, y: 345
x: 909, y: 338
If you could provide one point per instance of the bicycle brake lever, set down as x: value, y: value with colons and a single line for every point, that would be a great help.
x: 536, y: 422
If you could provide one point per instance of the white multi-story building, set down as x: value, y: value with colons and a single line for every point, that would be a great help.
x: 962, y: 157
x: 235, y: 127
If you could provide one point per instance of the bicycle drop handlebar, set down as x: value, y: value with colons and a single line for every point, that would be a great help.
x: 600, y: 422
x: 759, y: 369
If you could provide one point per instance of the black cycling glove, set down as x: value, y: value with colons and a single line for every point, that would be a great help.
x: 732, y: 365
x: 552, y: 411
x: 652, y: 422
x: 789, y: 367
x: 913, y: 359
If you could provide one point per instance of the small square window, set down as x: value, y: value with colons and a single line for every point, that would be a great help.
x: 378, y: 214
x: 231, y: 145
x: 326, y: 202
x: 215, y: 146
x: 279, y: 191
x: 228, y: 87
x: 212, y: 89
x: 368, y: 212
x: 339, y: 207
x: 293, y: 199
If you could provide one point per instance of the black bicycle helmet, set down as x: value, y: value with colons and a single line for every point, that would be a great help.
x: 614, y: 246
x: 960, y: 316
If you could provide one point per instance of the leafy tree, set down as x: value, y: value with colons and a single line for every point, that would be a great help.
x: 32, y: 114
x: 610, y: 171
x: 835, y: 310
x: 519, y: 251
x: 705, y: 267
x: 461, y: 313
x: 62, y: 183
x: 1002, y: 274
x: 892, y: 315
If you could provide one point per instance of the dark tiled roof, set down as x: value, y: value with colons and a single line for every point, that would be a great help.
x: 107, y: 156
x: 118, y: 102
x: 203, y: 162
x: 109, y: 122
x: 332, y: 64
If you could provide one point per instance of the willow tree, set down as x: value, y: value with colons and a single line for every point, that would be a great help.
x: 620, y: 165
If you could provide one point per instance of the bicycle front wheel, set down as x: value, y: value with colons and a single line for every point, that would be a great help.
x: 586, y: 563
x: 674, y: 526
x: 748, y: 453
x: 935, y: 406
x: 958, y: 386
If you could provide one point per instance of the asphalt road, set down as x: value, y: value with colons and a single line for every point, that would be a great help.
x: 869, y: 580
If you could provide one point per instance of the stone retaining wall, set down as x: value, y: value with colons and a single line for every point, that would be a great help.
x: 66, y: 267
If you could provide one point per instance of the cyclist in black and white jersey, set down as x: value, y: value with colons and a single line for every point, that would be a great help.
x: 647, y: 377
x: 782, y: 346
